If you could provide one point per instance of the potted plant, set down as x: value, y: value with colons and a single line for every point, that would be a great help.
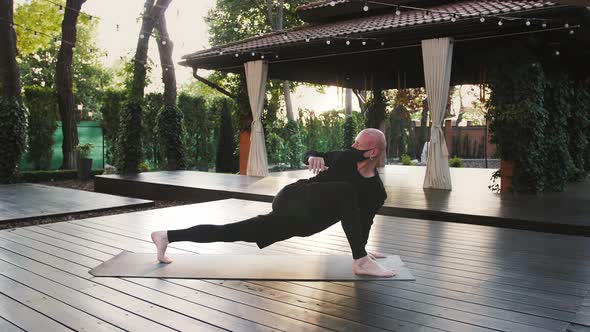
x: 85, y: 163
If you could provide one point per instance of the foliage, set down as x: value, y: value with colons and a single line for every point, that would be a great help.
x: 112, y: 102
x: 558, y: 165
x: 227, y: 160
x: 42, y: 123
x: 324, y: 132
x: 55, y: 175
x: 495, y: 185
x: 201, y: 124
x: 399, y: 131
x: 129, y: 149
x: 12, y: 137
x: 152, y: 149
x: 579, y: 131
x: 375, y: 112
x: 83, y: 149
x: 407, y: 160
x: 143, y: 166
x: 518, y: 121
x: 455, y: 162
x: 170, y: 134
x: 349, y: 134
x: 38, y: 53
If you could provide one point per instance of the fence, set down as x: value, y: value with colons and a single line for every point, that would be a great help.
x: 88, y: 132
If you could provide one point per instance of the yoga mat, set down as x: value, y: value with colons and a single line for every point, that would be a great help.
x: 259, y: 267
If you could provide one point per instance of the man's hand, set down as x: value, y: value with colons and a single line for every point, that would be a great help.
x: 316, y: 164
x: 375, y: 255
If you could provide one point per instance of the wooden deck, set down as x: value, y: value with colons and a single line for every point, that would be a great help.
x: 470, y: 201
x: 25, y: 201
x: 468, y: 278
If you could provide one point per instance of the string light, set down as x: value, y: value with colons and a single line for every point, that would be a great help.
x: 328, y: 42
x: 366, y: 6
x: 500, y: 23
x: 528, y: 23
x: 348, y: 42
x: 482, y: 19
x: 397, y: 11
x: 454, y: 18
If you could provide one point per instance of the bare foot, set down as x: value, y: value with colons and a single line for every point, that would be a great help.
x: 367, y: 266
x: 160, y: 239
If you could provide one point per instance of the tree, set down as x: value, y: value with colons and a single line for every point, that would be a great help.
x: 64, y: 83
x: 12, y: 112
x: 38, y: 53
x: 170, y: 117
x: 129, y: 151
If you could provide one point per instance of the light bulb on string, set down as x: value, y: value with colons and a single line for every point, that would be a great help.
x: 557, y: 52
x: 366, y: 6
x: 307, y: 39
x: 163, y: 42
x: 276, y: 56
x: 567, y: 25
x: 61, y: 9
x: 364, y: 42
x: 397, y: 11
x: 220, y: 52
x: 528, y: 23
x: 500, y: 23
x: 237, y: 55
x: 332, y: 3
x: 482, y: 19
x: 427, y: 14
x: 348, y: 42
x: 572, y: 32
x: 141, y: 36
x: 382, y: 43
x: 454, y: 18
x: 544, y: 25
x: 328, y: 42
x: 285, y: 37
x: 262, y: 57
x: 253, y: 54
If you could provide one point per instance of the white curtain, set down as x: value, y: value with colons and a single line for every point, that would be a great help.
x: 256, y: 76
x: 437, y: 55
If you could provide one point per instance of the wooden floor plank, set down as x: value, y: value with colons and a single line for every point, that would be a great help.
x: 26, y: 318
x: 494, y: 313
x: 28, y: 200
x: 66, y: 313
x: 128, y: 233
x: 134, y: 313
x: 461, y: 284
x: 6, y: 326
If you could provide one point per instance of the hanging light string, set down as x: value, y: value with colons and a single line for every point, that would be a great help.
x: 403, y: 47
x: 453, y: 16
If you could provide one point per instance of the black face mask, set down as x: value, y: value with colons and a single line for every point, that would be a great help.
x: 358, y: 155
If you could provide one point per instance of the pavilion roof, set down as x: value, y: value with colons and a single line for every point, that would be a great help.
x: 390, y: 42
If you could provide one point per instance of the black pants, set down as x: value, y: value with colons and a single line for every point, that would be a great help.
x: 299, y: 209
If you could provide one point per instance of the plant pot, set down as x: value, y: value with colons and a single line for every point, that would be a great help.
x: 84, y: 168
x: 244, y: 151
x: 506, y: 172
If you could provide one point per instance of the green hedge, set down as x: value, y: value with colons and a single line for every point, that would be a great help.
x: 43, y: 116
x: 12, y: 137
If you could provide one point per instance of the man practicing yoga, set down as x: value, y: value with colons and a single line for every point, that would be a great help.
x: 346, y: 188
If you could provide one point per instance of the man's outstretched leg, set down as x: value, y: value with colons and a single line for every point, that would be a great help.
x: 260, y: 229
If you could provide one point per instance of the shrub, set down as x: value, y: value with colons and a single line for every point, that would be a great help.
x: 455, y: 162
x: 56, y: 175
x: 407, y: 160
x: 42, y: 105
x: 83, y: 149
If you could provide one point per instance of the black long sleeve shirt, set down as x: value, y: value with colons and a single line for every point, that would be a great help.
x: 342, y: 166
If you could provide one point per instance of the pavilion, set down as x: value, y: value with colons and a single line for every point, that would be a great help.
x: 378, y: 44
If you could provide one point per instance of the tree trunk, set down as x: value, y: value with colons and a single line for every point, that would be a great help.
x: 165, y: 47
x: 130, y: 150
x: 12, y: 113
x: 63, y: 78
x: 170, y: 118
x: 9, y: 73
